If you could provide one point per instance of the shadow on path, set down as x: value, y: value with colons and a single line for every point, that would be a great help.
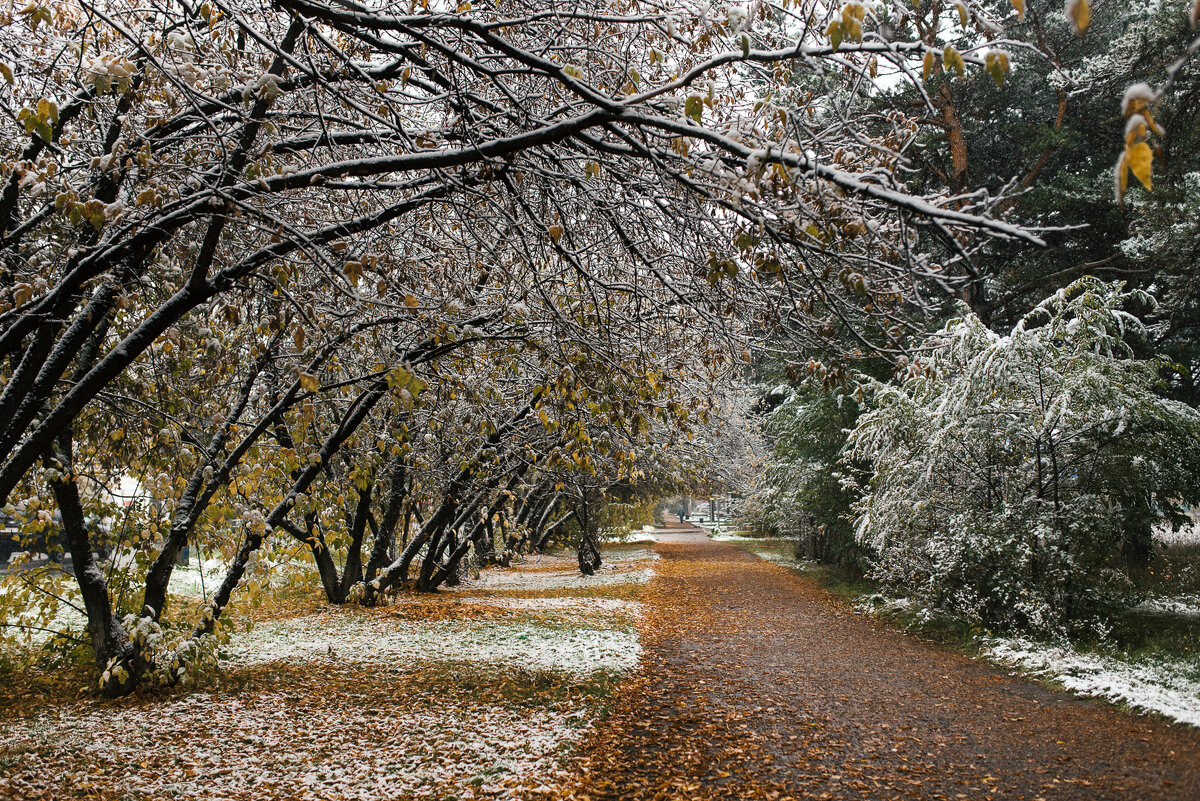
x: 758, y: 683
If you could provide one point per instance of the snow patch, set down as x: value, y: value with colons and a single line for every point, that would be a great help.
x: 1167, y: 687
x: 1188, y: 534
x: 731, y: 537
x: 877, y: 603
x: 1180, y: 605
x: 284, y: 744
x: 330, y: 636
x: 575, y: 605
x: 608, y: 576
x: 198, y: 579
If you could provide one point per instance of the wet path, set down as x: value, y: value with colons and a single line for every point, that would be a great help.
x: 757, y: 683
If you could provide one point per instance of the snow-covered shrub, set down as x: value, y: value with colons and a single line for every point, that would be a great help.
x: 1006, y: 473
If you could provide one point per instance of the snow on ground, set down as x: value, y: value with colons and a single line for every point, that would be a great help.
x: 646, y: 534
x: 286, y: 744
x: 197, y: 579
x: 26, y: 627
x: 573, y: 605
x: 1187, y: 535
x: 1168, y: 687
x: 613, y: 560
x: 777, y: 558
x: 877, y: 603
x: 1181, y: 605
x: 718, y: 529
x: 617, y: 570
x: 359, y: 704
x: 336, y: 636
x: 730, y: 536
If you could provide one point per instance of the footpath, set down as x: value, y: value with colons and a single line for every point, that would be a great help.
x: 758, y: 683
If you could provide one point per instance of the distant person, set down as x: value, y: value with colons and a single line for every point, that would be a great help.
x: 682, y: 514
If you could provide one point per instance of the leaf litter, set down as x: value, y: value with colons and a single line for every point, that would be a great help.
x: 480, y: 693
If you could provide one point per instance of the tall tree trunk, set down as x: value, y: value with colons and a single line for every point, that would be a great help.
x: 385, y: 536
x: 115, y: 653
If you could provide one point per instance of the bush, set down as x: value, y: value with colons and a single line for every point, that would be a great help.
x: 1004, y: 476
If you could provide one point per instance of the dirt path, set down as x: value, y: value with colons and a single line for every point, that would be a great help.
x: 757, y: 683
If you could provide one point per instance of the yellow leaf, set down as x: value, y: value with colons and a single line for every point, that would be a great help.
x: 927, y: 66
x: 996, y: 65
x: 7, y: 72
x: 309, y: 382
x: 556, y: 233
x: 410, y: 301
x: 1080, y: 13
x: 952, y: 59
x: 1019, y: 5
x: 1140, y: 157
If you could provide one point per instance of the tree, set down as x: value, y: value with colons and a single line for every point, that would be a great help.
x: 1003, y: 477
x: 801, y: 492
x: 356, y: 197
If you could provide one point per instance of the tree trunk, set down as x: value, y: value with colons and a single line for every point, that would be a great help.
x: 114, y: 652
x: 352, y: 573
x: 588, y: 553
x: 385, y: 536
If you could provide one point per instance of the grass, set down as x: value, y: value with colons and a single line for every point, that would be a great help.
x: 1140, y: 632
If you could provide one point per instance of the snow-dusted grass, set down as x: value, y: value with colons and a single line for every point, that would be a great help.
x: 645, y: 534
x: 555, y: 573
x: 472, y: 694
x: 336, y: 636
x: 1188, y: 535
x: 281, y: 744
x: 877, y: 603
x: 717, y: 529
x: 32, y: 618
x: 1153, y: 684
x: 778, y: 556
x: 197, y: 579
x: 606, y: 607
x: 732, y: 535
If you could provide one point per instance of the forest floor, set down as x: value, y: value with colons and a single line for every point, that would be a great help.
x: 755, y: 682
